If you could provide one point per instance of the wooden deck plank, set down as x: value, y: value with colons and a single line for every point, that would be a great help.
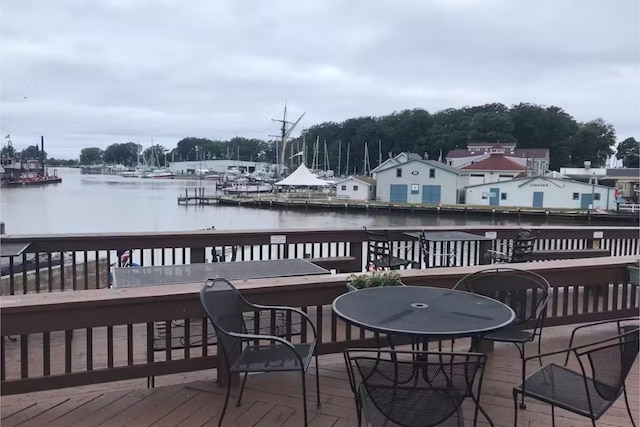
x: 157, y: 397
x: 83, y: 411
x: 274, y: 399
x: 276, y: 417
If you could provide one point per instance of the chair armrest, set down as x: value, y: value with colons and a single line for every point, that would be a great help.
x: 254, y: 337
x: 290, y: 309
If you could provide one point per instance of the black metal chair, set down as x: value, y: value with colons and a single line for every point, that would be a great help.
x: 379, y: 253
x: 520, y: 251
x: 590, y: 392
x: 448, y: 256
x: 526, y: 292
x: 244, y: 352
x: 413, y: 388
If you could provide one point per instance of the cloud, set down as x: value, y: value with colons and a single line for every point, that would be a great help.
x: 94, y: 73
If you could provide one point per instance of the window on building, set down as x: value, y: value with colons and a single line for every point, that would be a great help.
x: 432, y: 173
x: 596, y: 196
x: 398, y: 173
x: 343, y: 188
x: 576, y: 196
x: 355, y: 188
x: 503, y: 196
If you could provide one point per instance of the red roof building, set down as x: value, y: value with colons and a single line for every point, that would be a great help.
x: 535, y: 160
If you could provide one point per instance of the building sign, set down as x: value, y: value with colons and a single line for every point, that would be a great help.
x: 414, y: 172
x: 538, y: 185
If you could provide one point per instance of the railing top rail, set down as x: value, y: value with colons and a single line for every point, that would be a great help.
x: 337, y: 231
x: 88, y: 299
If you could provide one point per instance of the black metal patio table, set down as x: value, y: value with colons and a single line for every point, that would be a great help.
x: 445, y: 243
x: 423, y: 313
x: 197, y: 273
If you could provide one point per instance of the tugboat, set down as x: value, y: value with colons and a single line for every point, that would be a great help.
x: 21, y: 173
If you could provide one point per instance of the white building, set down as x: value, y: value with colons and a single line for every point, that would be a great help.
x: 417, y: 181
x: 542, y: 192
x: 494, y: 168
x: 356, y: 188
x: 534, y: 160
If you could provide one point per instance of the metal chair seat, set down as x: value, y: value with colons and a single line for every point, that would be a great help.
x: 391, y: 262
x: 261, y: 358
x: 511, y: 336
x: 564, y: 388
x: 405, y: 403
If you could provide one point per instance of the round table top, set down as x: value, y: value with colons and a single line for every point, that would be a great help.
x: 419, y: 310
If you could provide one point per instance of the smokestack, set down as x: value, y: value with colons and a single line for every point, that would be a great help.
x: 42, y: 152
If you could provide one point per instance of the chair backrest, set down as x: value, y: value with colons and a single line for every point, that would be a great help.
x: 224, y: 306
x: 523, y: 245
x: 424, y: 391
x: 378, y: 245
x: 526, y: 292
x: 611, y: 361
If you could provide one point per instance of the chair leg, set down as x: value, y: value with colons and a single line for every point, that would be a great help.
x: 304, y: 398
x: 553, y: 416
x: 626, y: 400
x: 524, y: 374
x: 244, y: 382
x: 226, y: 402
x: 515, y: 408
x: 317, y: 379
x: 540, y: 347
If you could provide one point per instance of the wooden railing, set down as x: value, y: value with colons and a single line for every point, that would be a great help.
x: 68, y: 339
x: 83, y: 261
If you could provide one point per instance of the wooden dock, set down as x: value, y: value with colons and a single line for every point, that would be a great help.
x: 196, y: 197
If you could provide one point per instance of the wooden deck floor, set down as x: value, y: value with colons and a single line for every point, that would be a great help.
x: 274, y: 399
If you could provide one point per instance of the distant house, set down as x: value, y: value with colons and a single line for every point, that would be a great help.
x: 626, y: 180
x: 535, y: 160
x: 417, y: 181
x: 542, y: 192
x: 396, y: 160
x: 356, y: 188
x: 494, y: 168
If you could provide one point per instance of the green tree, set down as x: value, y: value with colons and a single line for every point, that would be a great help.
x: 629, y: 152
x: 91, y: 155
x: 32, y: 152
x: 593, y: 142
x: 124, y: 154
x: 8, y: 151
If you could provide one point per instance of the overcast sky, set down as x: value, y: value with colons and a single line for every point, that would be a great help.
x: 91, y: 73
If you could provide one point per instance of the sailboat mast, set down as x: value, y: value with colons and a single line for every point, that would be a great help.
x: 379, y: 152
x: 348, y: 151
x: 339, y: 155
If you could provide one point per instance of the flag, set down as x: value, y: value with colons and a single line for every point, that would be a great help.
x: 8, y: 136
x: 297, y: 154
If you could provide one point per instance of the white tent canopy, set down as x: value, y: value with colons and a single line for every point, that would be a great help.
x: 302, y: 177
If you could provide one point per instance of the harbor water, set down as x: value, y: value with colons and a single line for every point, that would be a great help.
x: 111, y: 203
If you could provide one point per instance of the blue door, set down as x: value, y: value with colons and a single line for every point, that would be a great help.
x: 494, y: 197
x: 586, y: 200
x: 538, y: 197
x: 398, y: 193
x: 431, y: 194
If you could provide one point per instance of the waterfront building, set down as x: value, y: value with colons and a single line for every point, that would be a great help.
x: 542, y: 192
x: 356, y: 188
x: 534, y: 160
x: 494, y: 168
x: 418, y: 181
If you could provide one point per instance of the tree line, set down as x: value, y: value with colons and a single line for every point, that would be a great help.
x: 569, y: 141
